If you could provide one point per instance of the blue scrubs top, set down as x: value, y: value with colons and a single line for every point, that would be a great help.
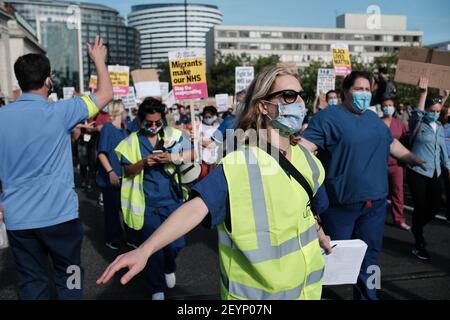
x: 110, y: 137
x: 159, y: 188
x: 36, y: 166
x: 354, y: 150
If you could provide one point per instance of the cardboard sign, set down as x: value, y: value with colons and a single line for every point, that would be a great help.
x: 222, y: 102
x: 68, y: 92
x: 341, y: 59
x: 243, y: 77
x: 93, y: 82
x: 414, y: 63
x: 326, y: 80
x: 146, y: 83
x: 120, y: 78
x: 188, y: 74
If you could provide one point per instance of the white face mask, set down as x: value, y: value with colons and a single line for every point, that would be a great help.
x: 210, y: 121
x: 333, y: 102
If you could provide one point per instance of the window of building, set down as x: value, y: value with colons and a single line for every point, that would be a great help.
x: 244, y: 34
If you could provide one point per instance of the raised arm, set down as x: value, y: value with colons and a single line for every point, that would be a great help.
x: 98, y: 52
x: 423, y: 86
x: 183, y: 220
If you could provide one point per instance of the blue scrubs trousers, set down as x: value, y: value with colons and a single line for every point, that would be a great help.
x: 365, y: 221
x: 162, y: 261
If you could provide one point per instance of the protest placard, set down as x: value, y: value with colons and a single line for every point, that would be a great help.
x: 243, y: 77
x: 188, y: 74
x: 341, y: 59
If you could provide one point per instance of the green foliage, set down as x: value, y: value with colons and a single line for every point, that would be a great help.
x: 221, y: 75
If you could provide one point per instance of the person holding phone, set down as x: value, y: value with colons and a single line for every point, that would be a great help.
x: 150, y: 191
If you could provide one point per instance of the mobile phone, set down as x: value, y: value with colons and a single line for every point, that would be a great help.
x: 157, y: 151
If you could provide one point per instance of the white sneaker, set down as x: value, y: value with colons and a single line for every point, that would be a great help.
x: 170, y: 280
x: 158, y: 296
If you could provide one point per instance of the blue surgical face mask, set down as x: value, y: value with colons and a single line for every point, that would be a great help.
x: 290, y: 118
x: 361, y: 100
x: 432, y: 117
x: 106, y: 109
x: 333, y: 102
x: 388, y: 111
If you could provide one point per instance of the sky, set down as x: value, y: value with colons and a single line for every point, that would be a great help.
x: 430, y: 16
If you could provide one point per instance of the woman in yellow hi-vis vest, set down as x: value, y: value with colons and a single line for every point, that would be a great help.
x: 269, y: 241
x: 150, y: 191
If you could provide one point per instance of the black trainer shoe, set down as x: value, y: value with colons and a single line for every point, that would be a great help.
x: 421, y: 253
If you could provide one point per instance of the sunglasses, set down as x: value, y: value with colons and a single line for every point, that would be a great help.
x: 149, y: 124
x: 289, y: 96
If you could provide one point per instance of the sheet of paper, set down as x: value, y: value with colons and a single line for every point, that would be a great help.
x: 343, y: 264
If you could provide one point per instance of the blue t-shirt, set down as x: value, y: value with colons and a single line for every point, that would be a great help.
x: 447, y: 137
x: 354, y: 150
x: 213, y: 189
x: 159, y: 189
x: 36, y: 161
x: 110, y: 137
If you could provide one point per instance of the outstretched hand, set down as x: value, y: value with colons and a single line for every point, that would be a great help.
x: 134, y: 260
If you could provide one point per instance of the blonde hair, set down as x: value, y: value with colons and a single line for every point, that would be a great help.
x: 251, y: 117
x: 116, y: 108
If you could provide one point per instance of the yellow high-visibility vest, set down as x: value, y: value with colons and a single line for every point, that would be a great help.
x: 132, y: 195
x: 272, y: 251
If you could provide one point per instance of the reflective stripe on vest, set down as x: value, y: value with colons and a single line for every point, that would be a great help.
x: 253, y: 293
x: 265, y: 250
x: 314, y: 168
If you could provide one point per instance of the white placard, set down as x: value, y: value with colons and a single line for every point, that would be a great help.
x: 147, y: 89
x: 68, y: 92
x: 342, y: 266
x: 164, y: 89
x: 222, y: 102
x: 169, y: 100
x: 244, y: 76
x: 129, y: 101
x: 326, y: 80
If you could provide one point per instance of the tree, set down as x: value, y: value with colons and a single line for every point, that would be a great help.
x: 221, y: 75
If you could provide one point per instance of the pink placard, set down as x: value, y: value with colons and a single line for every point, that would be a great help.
x: 191, y: 91
x: 342, y: 71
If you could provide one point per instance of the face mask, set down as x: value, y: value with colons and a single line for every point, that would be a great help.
x: 150, y: 130
x: 333, y: 102
x: 210, y: 121
x: 105, y: 109
x: 361, y: 100
x: 432, y: 117
x: 388, y: 111
x: 290, y: 118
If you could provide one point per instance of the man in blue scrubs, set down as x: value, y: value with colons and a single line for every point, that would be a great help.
x: 40, y: 204
x: 354, y: 146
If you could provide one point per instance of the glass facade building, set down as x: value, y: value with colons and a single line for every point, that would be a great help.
x: 167, y: 27
x: 56, y: 25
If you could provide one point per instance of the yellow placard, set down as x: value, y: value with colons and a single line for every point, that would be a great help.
x: 341, y: 57
x: 188, y: 71
x: 119, y: 78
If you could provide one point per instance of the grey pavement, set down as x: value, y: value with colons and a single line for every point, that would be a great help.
x: 403, y: 275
